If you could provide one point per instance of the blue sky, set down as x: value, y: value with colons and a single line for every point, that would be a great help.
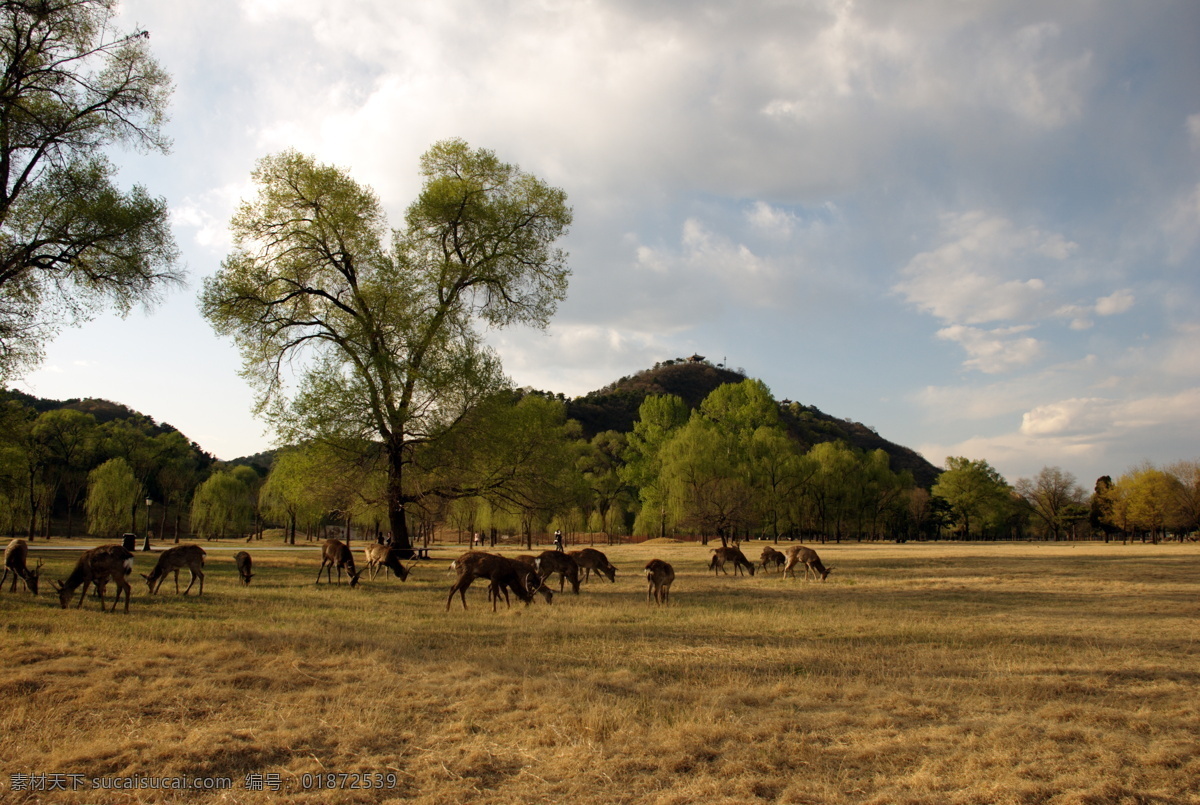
x: 972, y: 226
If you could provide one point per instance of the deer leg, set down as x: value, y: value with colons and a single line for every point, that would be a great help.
x: 122, y: 584
x: 322, y: 567
x: 84, y: 593
x: 190, y: 583
x: 460, y: 588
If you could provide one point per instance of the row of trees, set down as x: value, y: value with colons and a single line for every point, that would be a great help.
x: 61, y: 461
x: 727, y: 469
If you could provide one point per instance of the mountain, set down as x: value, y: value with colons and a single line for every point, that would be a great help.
x: 615, y: 407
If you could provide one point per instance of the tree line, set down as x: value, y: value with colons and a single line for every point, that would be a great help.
x: 725, y: 470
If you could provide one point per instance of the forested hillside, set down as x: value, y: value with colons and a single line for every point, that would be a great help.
x: 615, y: 407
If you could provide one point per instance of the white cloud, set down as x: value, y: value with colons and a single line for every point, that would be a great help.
x: 773, y: 222
x: 1114, y: 303
x: 1067, y: 417
x: 969, y: 278
x: 993, y: 351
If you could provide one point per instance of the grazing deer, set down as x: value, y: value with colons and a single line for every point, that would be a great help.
x: 172, y: 560
x: 734, y: 555
x: 531, y: 578
x: 660, y: 575
x: 244, y: 566
x: 16, y: 555
x: 503, y: 573
x: 590, y: 559
x: 378, y: 555
x: 335, y: 553
x: 771, y: 557
x: 799, y: 554
x: 97, y: 566
x: 551, y: 562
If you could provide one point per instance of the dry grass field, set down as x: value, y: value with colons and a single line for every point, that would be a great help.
x: 948, y: 673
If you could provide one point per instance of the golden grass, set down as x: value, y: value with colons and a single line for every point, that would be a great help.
x: 917, y: 674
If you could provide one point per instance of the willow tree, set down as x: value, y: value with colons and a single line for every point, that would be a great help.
x: 72, y: 85
x: 379, y: 330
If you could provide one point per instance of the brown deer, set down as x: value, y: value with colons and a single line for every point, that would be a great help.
x: 503, y: 573
x: 335, y: 553
x: 660, y: 575
x: 771, y: 558
x: 734, y: 555
x: 16, y: 555
x: 172, y: 560
x: 551, y: 562
x: 590, y: 559
x: 97, y: 566
x: 378, y: 555
x: 244, y: 566
x: 799, y: 554
x: 532, y: 580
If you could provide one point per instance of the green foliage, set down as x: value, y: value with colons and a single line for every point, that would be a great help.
x: 112, y: 493
x: 71, y: 242
x: 222, y: 506
x: 383, y: 336
x: 976, y: 494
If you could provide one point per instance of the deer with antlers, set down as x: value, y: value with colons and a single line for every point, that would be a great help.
x: 732, y: 555
x: 379, y: 555
x: 173, y: 560
x: 335, y: 553
x: 531, y: 578
x: 97, y: 566
x: 244, y: 566
x: 16, y: 557
x: 771, y: 558
x: 590, y: 559
x: 660, y: 574
x: 801, y: 555
x: 502, y: 573
x: 551, y: 562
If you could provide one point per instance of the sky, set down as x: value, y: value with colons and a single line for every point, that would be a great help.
x: 972, y: 226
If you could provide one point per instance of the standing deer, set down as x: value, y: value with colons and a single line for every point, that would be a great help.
x: 378, y: 555
x: 503, y: 573
x: 97, y: 566
x: 173, y: 560
x: 660, y: 575
x: 590, y: 559
x: 551, y: 562
x: 531, y: 578
x: 335, y: 553
x: 771, y: 557
x: 799, y: 554
x: 734, y: 555
x: 16, y: 555
x: 244, y: 566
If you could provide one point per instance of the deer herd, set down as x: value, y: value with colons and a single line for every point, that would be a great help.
x: 523, y: 576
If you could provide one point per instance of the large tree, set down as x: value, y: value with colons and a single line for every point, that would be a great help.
x: 1052, y: 495
x: 382, y: 331
x: 71, y: 241
x: 975, y: 492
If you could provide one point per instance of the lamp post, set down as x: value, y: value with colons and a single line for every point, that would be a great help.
x: 146, y: 544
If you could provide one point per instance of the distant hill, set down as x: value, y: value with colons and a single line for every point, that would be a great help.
x: 615, y: 407
x: 102, y: 410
